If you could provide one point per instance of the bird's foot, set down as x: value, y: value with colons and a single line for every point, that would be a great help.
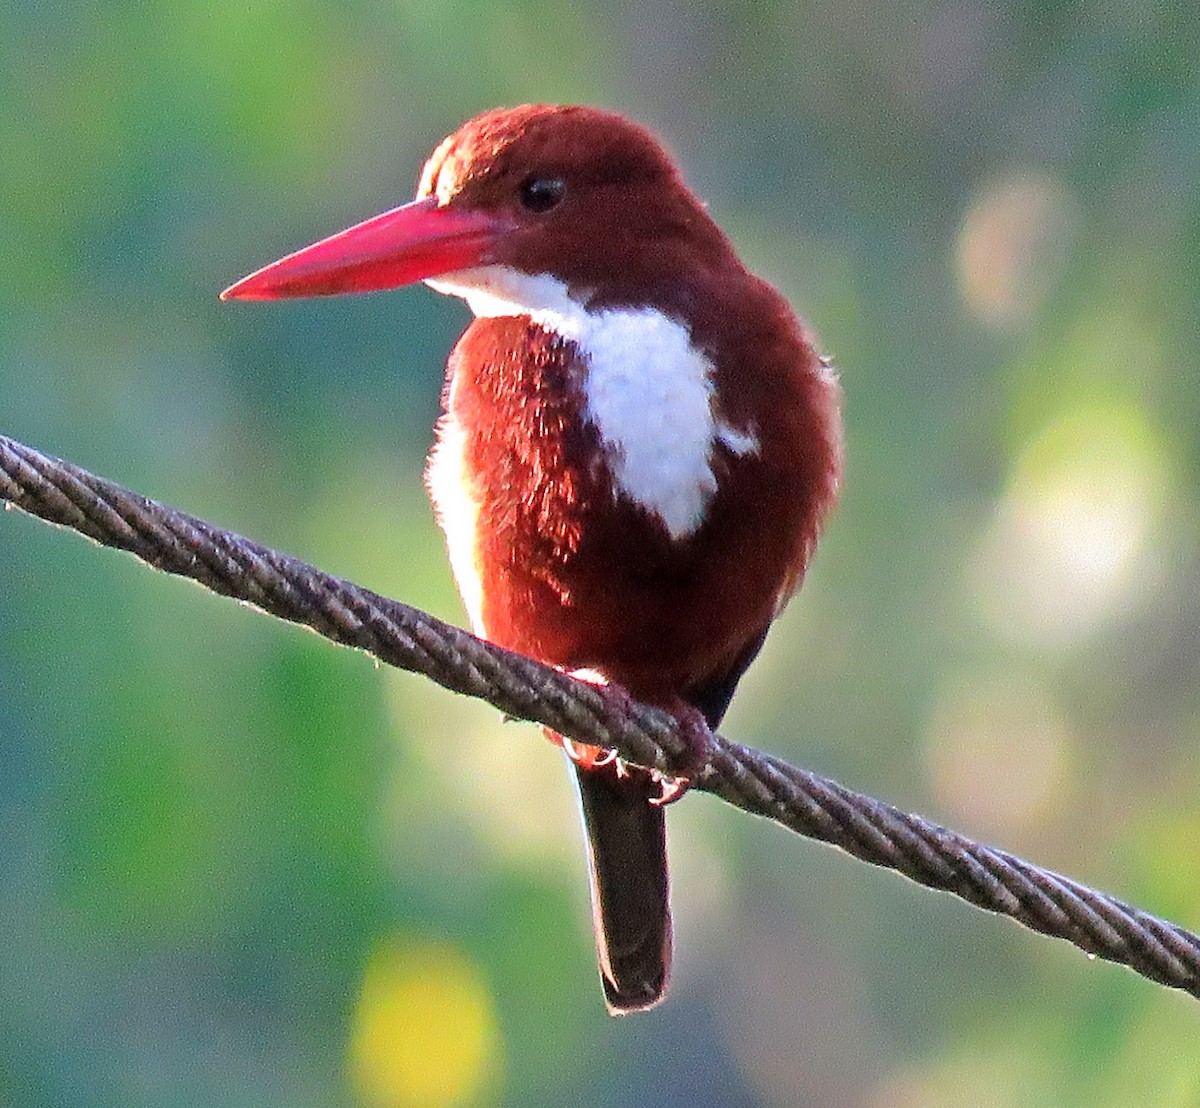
x: 693, y: 730
x: 698, y: 750
x: 590, y: 757
x: 618, y: 702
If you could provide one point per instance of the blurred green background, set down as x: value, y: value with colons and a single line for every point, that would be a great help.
x: 240, y: 866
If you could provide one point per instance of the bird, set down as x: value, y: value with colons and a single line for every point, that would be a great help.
x: 639, y: 447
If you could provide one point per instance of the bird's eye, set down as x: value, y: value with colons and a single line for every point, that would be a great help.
x: 540, y: 194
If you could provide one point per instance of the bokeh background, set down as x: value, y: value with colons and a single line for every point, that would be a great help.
x: 239, y: 866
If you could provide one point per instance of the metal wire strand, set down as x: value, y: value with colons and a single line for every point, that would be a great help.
x: 409, y: 639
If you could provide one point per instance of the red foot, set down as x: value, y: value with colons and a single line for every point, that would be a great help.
x: 693, y: 729
x: 698, y: 739
x: 672, y: 789
x: 590, y: 757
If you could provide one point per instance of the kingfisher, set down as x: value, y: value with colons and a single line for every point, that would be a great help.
x: 639, y: 446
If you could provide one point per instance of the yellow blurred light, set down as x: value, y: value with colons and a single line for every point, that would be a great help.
x: 425, y: 1033
x: 1071, y: 541
x: 1012, y: 246
x: 977, y: 1079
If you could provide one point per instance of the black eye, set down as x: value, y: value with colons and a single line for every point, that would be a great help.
x: 540, y: 194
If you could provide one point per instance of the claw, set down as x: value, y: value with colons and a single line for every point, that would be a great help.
x: 591, y: 757
x: 672, y: 789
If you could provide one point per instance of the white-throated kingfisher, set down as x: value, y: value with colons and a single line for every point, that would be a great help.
x: 640, y: 444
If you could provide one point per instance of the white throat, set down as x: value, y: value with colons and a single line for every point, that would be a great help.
x: 647, y: 390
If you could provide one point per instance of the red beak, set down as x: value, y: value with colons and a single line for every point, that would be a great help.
x: 407, y: 244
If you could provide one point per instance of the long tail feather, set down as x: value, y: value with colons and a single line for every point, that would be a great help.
x: 627, y: 860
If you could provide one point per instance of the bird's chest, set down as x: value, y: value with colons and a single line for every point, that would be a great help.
x: 570, y: 472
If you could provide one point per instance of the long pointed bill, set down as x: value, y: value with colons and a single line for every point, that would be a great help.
x: 407, y: 244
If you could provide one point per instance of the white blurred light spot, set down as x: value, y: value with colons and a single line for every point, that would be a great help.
x: 1070, y: 544
x: 503, y: 777
x: 703, y: 890
x: 999, y: 751
x: 1012, y: 246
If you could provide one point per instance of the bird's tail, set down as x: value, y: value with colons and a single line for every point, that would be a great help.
x: 627, y: 861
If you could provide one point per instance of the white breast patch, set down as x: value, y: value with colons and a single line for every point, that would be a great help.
x: 648, y: 391
x: 458, y: 513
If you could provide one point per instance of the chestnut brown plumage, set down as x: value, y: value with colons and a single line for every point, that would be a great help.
x: 639, y: 448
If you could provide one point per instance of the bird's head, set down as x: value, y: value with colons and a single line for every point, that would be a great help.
x: 574, y: 193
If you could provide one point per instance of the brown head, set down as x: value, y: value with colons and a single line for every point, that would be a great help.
x: 577, y: 193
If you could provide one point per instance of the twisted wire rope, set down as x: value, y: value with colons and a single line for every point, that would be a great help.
x: 399, y: 635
